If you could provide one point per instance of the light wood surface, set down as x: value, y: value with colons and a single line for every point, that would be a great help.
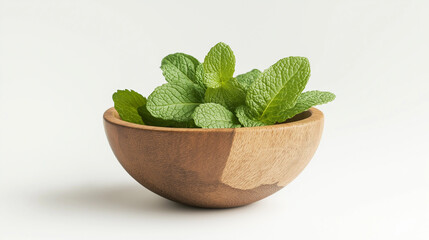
x: 215, y: 168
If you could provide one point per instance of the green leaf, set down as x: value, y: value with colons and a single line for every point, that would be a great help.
x: 219, y: 65
x: 200, y: 77
x: 230, y: 95
x: 277, y: 89
x: 187, y: 124
x: 248, y: 78
x: 243, y: 115
x: 126, y: 103
x: 307, y: 100
x: 179, y: 67
x: 213, y: 115
x: 175, y: 101
x: 150, y: 120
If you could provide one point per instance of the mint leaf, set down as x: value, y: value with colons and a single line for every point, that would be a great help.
x: 199, y: 74
x: 188, y: 124
x: 219, y: 65
x: 229, y: 95
x: 153, y: 121
x: 150, y: 120
x: 243, y: 115
x: 307, y: 100
x: 175, y: 101
x: 126, y: 103
x: 213, y: 115
x: 277, y: 89
x: 179, y: 67
x: 247, y: 79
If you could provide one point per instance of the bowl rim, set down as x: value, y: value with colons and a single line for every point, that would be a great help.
x: 112, y: 116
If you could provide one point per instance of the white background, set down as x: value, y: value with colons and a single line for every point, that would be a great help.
x: 60, y: 62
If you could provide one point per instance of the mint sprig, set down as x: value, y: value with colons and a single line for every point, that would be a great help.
x: 207, y: 94
x: 277, y: 89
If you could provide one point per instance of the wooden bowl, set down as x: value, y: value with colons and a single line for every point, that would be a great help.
x: 215, y: 168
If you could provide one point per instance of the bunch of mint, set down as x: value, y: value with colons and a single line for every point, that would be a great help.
x: 207, y: 95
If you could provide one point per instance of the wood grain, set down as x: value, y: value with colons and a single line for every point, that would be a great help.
x: 215, y: 168
x: 271, y: 155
